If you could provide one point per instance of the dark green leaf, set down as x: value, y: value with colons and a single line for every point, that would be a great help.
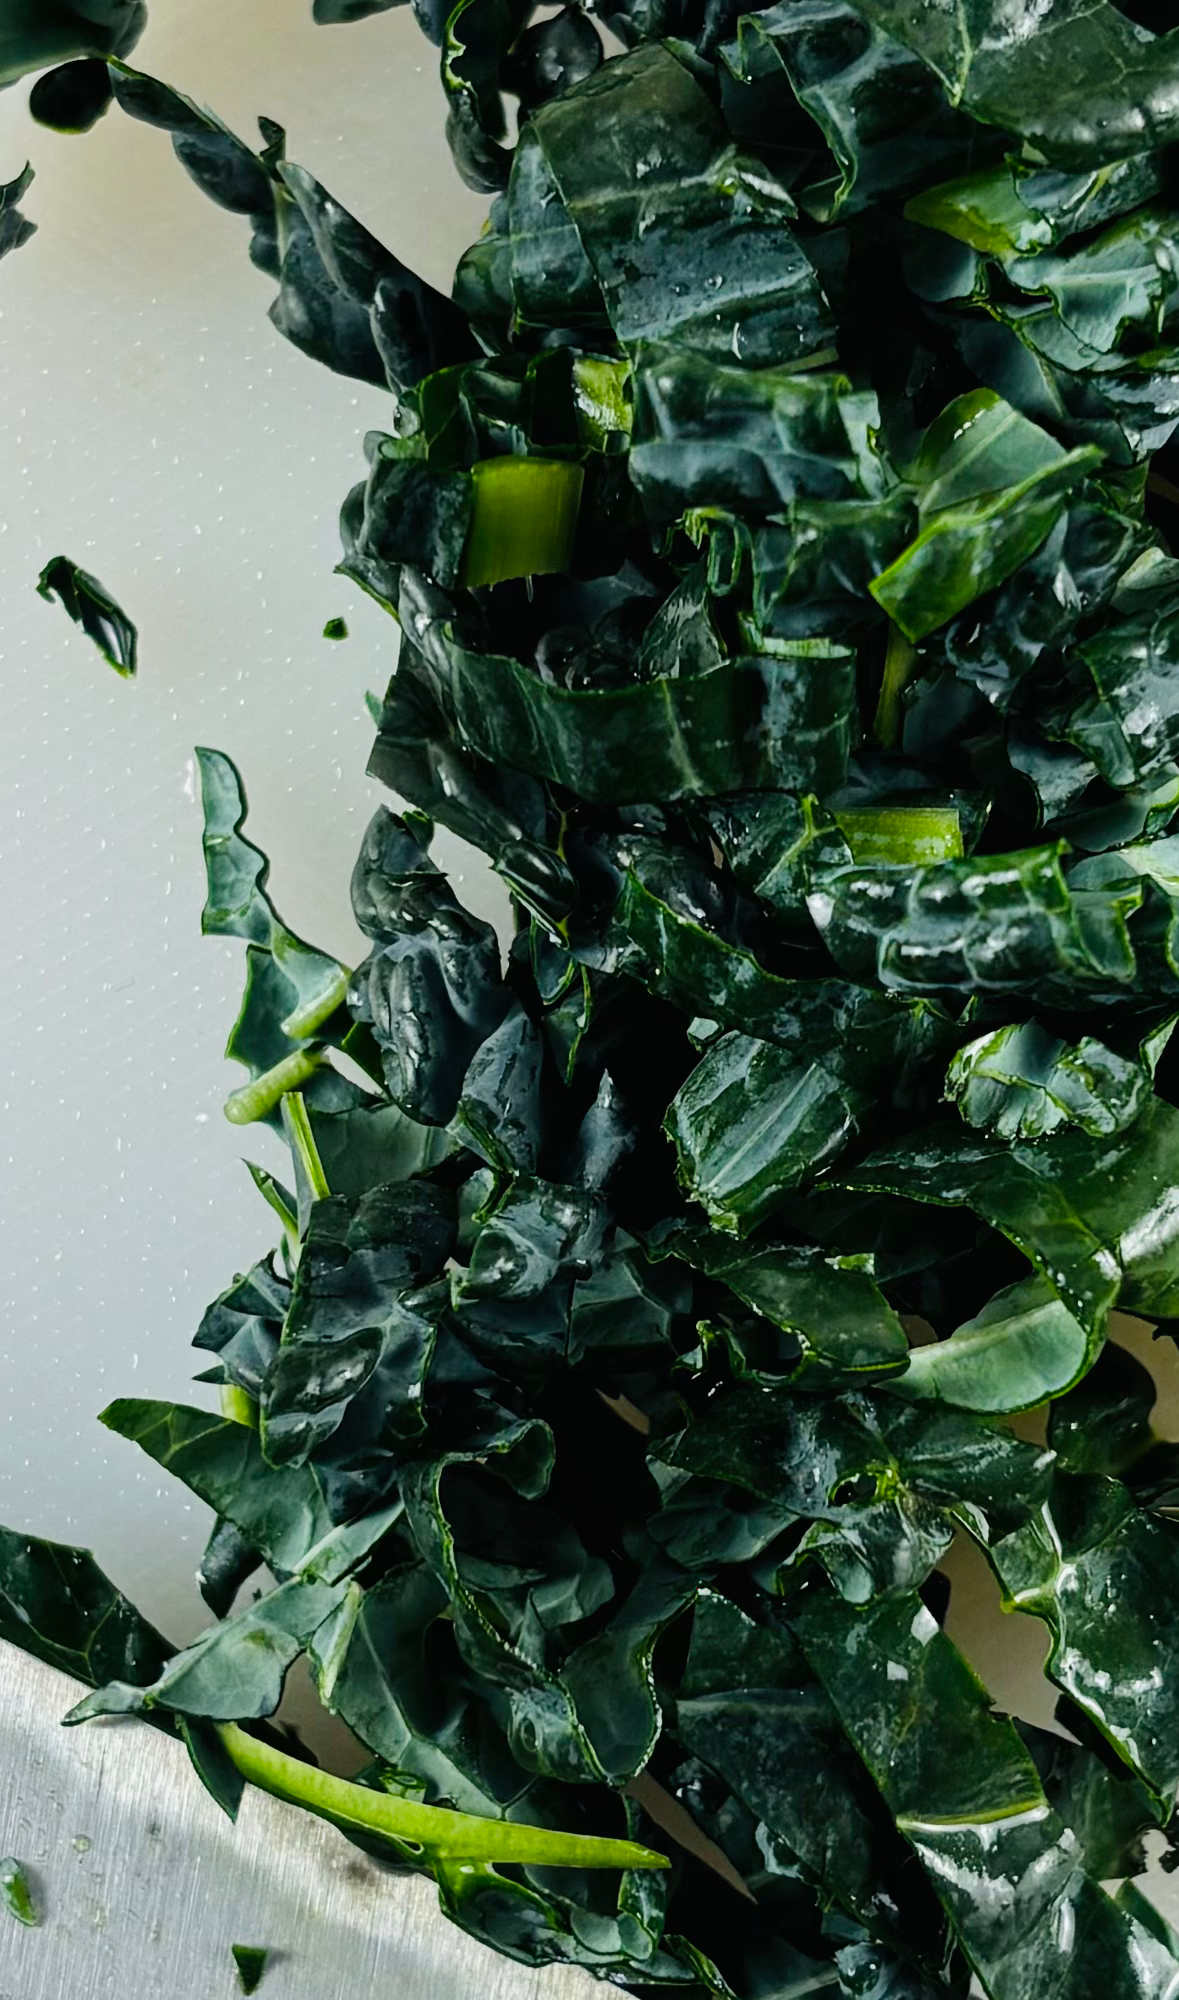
x: 360, y: 1148
x: 1021, y: 1082
x: 965, y: 1793
x: 552, y: 55
x: 292, y: 990
x: 882, y: 115
x: 89, y: 603
x: 33, y: 35
x: 281, y: 1512
x: 413, y: 328
x: 995, y: 923
x: 16, y: 1894
x: 499, y: 1111
x: 992, y: 485
x: 752, y: 723
x: 1101, y: 1574
x: 251, y: 1959
x: 343, y: 298
x: 531, y: 1234
x: 707, y: 433
x: 502, y: 812
x: 228, y: 1562
x: 611, y: 1679
x: 477, y: 38
x: 756, y: 1119
x: 1109, y: 1811
x: 836, y: 1462
x: 1079, y: 80
x: 73, y: 97
x: 1093, y: 1215
x: 1014, y: 209
x: 1129, y: 723
x: 374, y: 1662
x: 1023, y: 1347
x: 359, y: 1255
x: 431, y: 989
x: 1103, y: 1424
x: 732, y: 225
x: 830, y: 1305
x: 750, y: 1707
x: 15, y: 228
x: 234, y: 1671
x: 243, y: 1326
x: 56, y: 1603
x: 332, y: 12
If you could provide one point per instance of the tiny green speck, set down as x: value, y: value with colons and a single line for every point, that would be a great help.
x: 14, y: 1887
x: 336, y: 628
x: 250, y: 1960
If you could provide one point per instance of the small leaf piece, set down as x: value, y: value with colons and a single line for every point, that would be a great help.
x: 250, y: 1960
x: 16, y: 1894
x: 91, y: 606
x: 15, y: 228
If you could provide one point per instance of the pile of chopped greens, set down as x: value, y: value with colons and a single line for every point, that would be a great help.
x: 777, y: 522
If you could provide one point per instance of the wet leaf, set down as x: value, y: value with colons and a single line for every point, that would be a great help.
x: 91, y: 606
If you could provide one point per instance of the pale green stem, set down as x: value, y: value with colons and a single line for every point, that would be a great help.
x: 453, y: 1836
x: 898, y: 665
x: 523, y: 518
x: 313, y: 1013
x: 255, y: 1099
x: 301, y: 1139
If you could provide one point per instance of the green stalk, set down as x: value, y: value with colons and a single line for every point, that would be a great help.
x: 255, y: 1099
x: 452, y: 1836
x: 898, y: 665
x: 916, y: 835
x: 312, y: 1015
x: 301, y: 1139
x: 523, y: 518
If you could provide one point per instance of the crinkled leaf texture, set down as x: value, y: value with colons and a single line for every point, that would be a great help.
x: 777, y: 519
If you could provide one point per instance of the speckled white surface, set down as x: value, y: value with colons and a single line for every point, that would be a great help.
x: 156, y: 428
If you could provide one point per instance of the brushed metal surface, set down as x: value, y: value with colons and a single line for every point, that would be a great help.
x: 144, y: 1885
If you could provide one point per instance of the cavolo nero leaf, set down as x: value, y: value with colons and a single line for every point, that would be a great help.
x: 1022, y: 1082
x: 1082, y: 82
x: 293, y: 1002
x: 968, y: 1798
x: 55, y: 1602
x: 250, y: 1960
x: 87, y: 601
x: 776, y: 517
x: 1093, y: 1215
x: 15, y: 228
x: 1080, y: 1565
x: 1022, y: 1347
